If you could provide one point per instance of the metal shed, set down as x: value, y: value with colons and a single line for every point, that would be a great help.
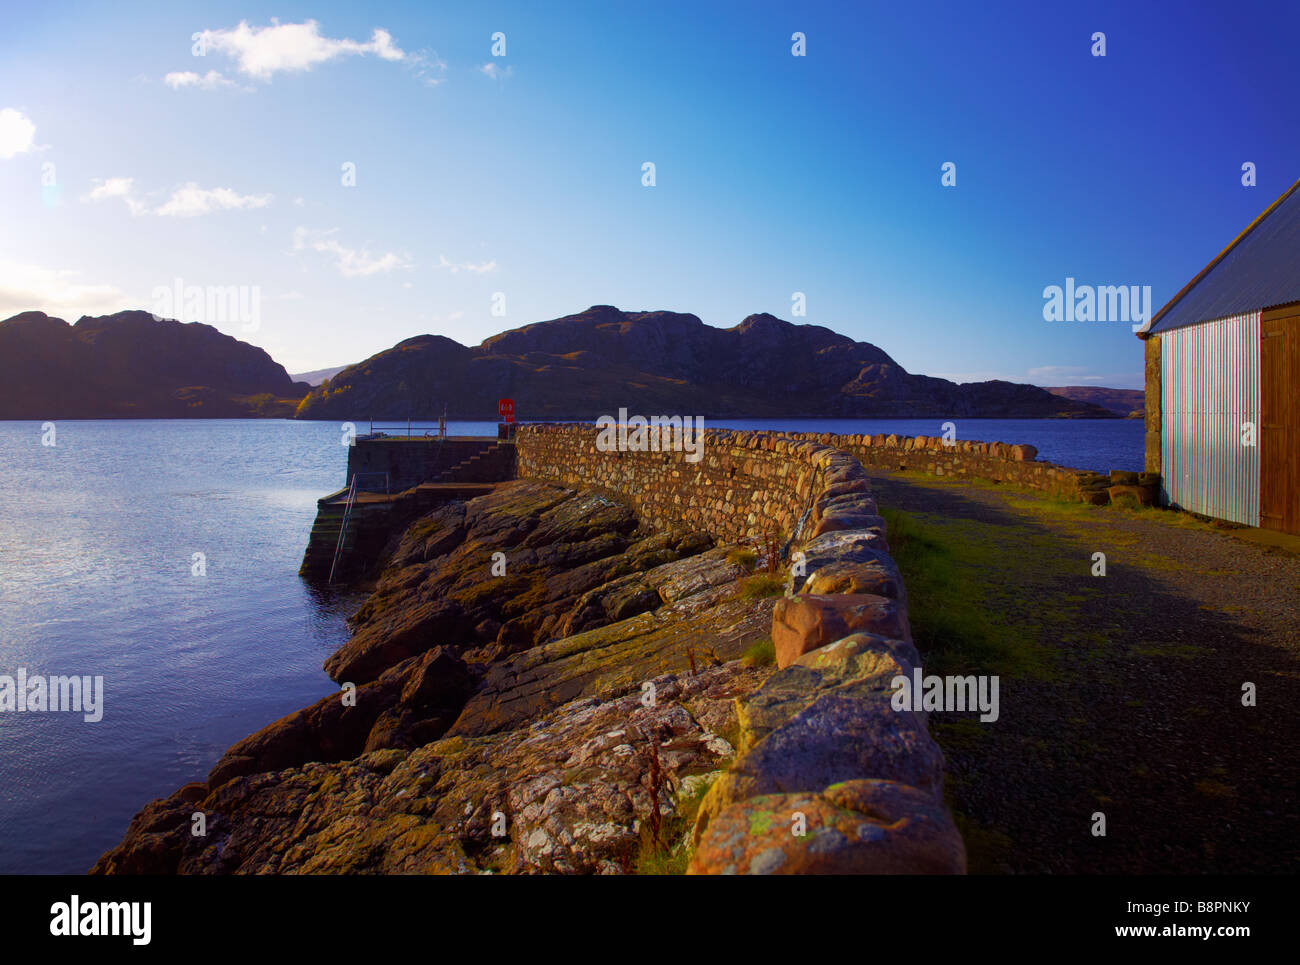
x: 1222, y: 364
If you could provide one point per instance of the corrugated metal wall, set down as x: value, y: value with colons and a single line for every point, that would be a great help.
x: 1210, y: 387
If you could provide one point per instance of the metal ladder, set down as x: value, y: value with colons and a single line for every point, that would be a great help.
x: 347, y: 516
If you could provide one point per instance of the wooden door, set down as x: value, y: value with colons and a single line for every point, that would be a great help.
x: 1279, y: 419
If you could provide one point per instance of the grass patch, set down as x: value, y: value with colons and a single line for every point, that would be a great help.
x: 672, y: 853
x: 762, y: 653
x: 761, y: 585
x: 950, y: 591
x: 733, y: 736
x: 743, y: 557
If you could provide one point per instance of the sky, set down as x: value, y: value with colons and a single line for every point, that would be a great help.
x: 208, y: 146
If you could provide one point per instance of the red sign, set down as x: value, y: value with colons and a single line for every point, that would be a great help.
x: 507, y: 409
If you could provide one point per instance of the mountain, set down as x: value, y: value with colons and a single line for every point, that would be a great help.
x: 130, y: 365
x: 662, y: 363
x: 317, y: 376
x: 1130, y: 403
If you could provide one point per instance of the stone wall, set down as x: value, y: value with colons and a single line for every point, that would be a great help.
x: 746, y: 483
x: 1154, y: 384
x: 821, y: 749
x: 1015, y: 465
x: 409, y: 462
x: 753, y: 472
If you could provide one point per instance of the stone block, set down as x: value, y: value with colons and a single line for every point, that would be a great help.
x: 869, y: 827
x: 808, y: 621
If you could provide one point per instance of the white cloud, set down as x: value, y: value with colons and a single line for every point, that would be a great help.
x: 191, y: 200
x: 1058, y: 375
x: 17, y: 133
x: 106, y: 189
x: 54, y: 291
x: 496, y: 72
x: 109, y: 188
x: 299, y: 202
x: 429, y: 68
x: 350, y: 262
x: 260, y: 52
x: 1050, y: 372
x: 212, y: 80
x: 454, y: 266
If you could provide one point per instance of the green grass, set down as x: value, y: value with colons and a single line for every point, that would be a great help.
x: 762, y: 653
x: 951, y: 593
x: 743, y: 557
x: 672, y: 854
x: 761, y: 585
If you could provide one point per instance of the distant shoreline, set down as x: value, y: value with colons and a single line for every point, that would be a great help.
x: 433, y: 420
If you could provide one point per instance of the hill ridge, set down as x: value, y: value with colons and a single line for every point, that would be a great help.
x: 595, y: 361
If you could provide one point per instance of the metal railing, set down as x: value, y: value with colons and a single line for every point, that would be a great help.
x: 382, y: 430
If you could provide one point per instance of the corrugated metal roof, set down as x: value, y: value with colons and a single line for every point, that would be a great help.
x: 1260, y: 269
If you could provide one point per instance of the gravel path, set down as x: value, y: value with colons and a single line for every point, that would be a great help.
x: 1141, y: 716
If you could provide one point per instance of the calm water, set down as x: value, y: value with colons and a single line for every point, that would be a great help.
x: 97, y: 539
x: 97, y: 536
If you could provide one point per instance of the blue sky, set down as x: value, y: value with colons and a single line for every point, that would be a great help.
x: 522, y: 174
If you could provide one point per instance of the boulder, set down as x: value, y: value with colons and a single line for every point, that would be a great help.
x: 808, y: 621
x: 875, y: 577
x: 854, y: 827
x: 837, y: 518
x: 436, y: 687
x: 845, y: 733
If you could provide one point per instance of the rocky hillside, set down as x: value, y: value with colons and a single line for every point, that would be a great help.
x: 592, y: 363
x: 129, y: 365
x: 1129, y: 403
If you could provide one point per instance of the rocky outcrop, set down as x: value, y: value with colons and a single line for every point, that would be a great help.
x: 572, y: 793
x: 131, y: 365
x: 585, y: 365
x: 547, y: 680
x: 608, y: 703
x: 504, y: 572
